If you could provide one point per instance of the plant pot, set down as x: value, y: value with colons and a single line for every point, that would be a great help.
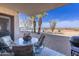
x: 27, y: 38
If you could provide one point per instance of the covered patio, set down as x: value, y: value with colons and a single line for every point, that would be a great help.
x: 54, y: 45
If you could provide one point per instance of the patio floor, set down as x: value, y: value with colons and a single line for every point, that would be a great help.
x: 49, y: 52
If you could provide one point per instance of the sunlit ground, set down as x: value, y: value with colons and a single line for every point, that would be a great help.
x: 64, y: 32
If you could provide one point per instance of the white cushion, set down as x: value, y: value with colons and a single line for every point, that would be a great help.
x: 7, y: 40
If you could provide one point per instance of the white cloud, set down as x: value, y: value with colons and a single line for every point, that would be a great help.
x: 63, y: 24
x: 68, y: 24
x: 45, y: 25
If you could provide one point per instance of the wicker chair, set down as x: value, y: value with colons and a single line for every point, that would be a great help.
x: 5, y: 46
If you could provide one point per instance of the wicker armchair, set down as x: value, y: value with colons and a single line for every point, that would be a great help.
x: 5, y: 46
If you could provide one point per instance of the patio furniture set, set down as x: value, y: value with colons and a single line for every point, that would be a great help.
x: 21, y: 46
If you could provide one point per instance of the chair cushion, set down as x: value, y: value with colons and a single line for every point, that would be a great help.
x: 2, y: 44
x: 7, y: 40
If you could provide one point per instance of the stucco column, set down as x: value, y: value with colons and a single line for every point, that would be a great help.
x: 16, y: 27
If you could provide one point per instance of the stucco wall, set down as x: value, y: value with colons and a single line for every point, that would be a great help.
x: 16, y: 27
x: 58, y: 43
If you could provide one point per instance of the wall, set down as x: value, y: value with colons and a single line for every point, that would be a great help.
x: 8, y: 11
x: 16, y: 28
x: 58, y: 43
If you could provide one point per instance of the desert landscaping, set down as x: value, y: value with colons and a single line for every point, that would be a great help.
x: 63, y: 32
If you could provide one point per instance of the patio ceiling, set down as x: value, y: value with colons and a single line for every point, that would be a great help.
x: 32, y: 8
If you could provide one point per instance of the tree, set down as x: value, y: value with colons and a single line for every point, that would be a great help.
x: 34, y: 23
x: 52, y: 25
x: 28, y: 24
x: 40, y: 21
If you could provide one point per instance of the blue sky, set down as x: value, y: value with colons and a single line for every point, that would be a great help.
x: 66, y: 12
x: 66, y: 16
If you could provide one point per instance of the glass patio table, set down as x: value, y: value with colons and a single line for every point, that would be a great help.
x: 21, y: 42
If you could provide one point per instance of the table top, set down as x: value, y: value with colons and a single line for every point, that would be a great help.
x: 21, y: 42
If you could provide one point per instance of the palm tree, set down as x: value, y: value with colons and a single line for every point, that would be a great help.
x: 39, y: 24
x: 34, y: 24
x: 40, y: 21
